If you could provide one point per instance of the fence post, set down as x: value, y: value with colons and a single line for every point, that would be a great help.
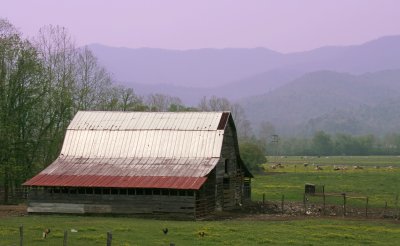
x: 384, y: 209
x: 397, y: 206
x: 283, y: 204
x: 304, y: 203
x: 65, y: 238
x: 263, y: 199
x: 21, y: 235
x: 109, y: 238
x: 366, y: 207
x: 323, y: 197
x: 344, y: 204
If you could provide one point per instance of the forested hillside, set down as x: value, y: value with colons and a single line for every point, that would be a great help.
x: 333, y: 102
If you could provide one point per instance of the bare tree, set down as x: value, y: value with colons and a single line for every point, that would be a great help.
x: 222, y: 104
x: 92, y: 81
x: 163, y: 103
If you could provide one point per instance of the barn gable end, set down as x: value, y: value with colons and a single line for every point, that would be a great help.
x: 143, y: 163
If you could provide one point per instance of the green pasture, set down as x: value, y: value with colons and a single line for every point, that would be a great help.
x: 379, y: 178
x: 130, y: 231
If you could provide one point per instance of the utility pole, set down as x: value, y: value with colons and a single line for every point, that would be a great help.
x: 275, y: 142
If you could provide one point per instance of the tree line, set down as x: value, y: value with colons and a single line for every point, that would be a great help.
x: 325, y: 144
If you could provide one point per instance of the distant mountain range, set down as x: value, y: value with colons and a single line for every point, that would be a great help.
x: 332, y: 88
x: 331, y: 101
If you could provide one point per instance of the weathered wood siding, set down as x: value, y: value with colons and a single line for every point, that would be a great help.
x: 229, y: 180
x: 43, y: 202
x: 205, y: 197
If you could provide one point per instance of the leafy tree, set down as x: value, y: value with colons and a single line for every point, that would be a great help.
x: 322, y: 143
x: 252, y: 154
x: 21, y: 102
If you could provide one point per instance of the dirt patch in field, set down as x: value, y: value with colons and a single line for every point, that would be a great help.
x: 12, y: 210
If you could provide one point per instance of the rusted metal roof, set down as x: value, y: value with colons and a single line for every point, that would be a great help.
x: 137, y: 149
x: 191, y: 183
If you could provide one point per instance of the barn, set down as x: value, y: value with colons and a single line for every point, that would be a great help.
x: 183, y: 164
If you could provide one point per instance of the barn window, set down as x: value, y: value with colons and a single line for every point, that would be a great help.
x: 114, y: 191
x: 97, y: 191
x: 173, y: 192
x: 123, y: 191
x: 81, y: 190
x: 106, y: 191
x: 226, y: 165
x: 72, y: 190
x: 156, y: 192
x: 131, y: 191
x: 139, y: 191
x: 89, y: 190
x: 182, y: 193
x: 190, y: 193
x: 165, y: 192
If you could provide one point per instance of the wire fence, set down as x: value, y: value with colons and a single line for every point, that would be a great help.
x: 333, y: 204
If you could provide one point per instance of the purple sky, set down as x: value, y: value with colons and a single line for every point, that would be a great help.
x: 281, y: 25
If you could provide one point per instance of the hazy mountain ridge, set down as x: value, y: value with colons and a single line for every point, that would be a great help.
x: 331, y: 101
x: 333, y: 88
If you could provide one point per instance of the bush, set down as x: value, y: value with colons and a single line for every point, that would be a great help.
x: 252, y: 155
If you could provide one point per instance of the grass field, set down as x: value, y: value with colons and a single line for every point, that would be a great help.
x: 379, y: 178
x: 130, y: 231
x: 379, y: 184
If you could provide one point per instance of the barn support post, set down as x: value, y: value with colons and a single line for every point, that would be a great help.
x: 304, y: 203
x: 65, y: 241
x: 21, y: 235
x: 109, y: 238
x: 366, y: 207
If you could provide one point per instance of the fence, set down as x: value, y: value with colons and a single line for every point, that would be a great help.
x: 65, y: 238
x: 334, y: 204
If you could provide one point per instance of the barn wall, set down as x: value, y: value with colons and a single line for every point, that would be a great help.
x: 205, y: 197
x: 230, y: 178
x: 43, y: 202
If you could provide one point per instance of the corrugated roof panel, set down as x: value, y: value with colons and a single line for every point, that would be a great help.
x: 178, y: 144
x: 102, y: 144
x: 140, y: 144
x: 87, y: 149
x: 99, y: 120
x: 96, y: 143
x: 184, y: 152
x: 80, y: 145
x: 134, y: 147
x: 219, y: 137
x: 127, y: 135
x: 115, y: 142
x: 194, y: 144
x: 75, y: 144
x: 67, y: 143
